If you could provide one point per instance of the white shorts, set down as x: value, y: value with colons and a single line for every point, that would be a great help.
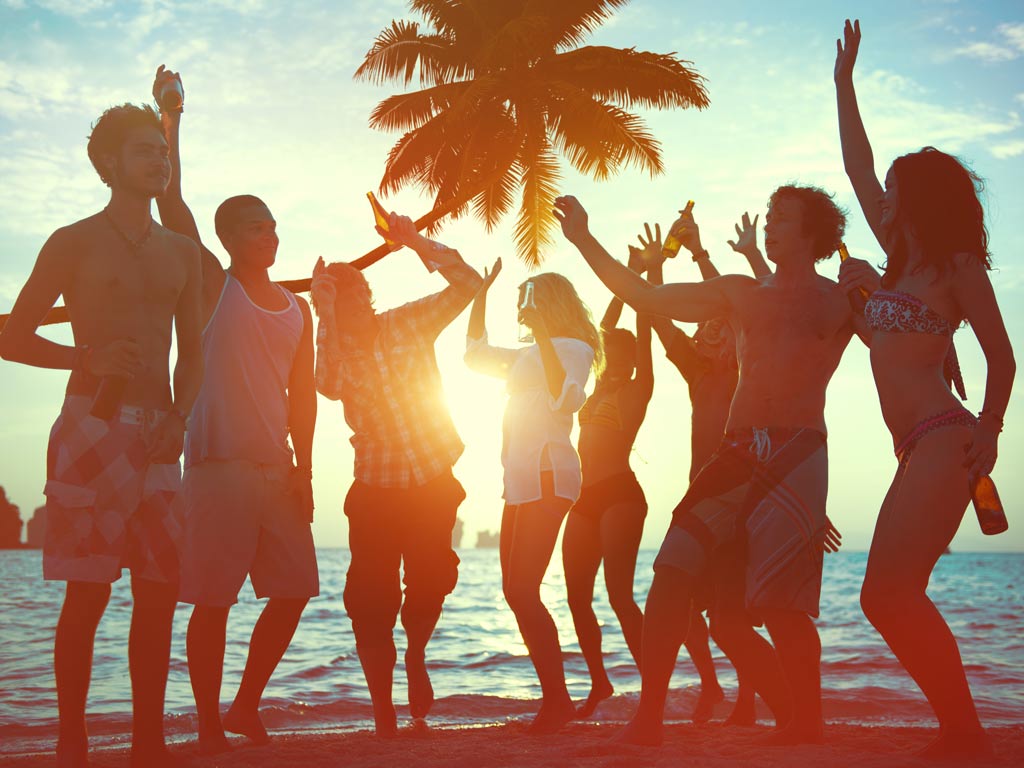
x: 241, y: 518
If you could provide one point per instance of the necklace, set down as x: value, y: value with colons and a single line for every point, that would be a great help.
x: 133, y: 244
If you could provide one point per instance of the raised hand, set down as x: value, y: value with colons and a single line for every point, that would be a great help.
x: 651, y: 248
x: 686, y: 231
x: 573, y: 218
x: 323, y: 289
x: 163, y: 75
x: 489, y: 276
x: 746, y: 235
x: 636, y: 260
x: 846, y: 51
x: 534, y: 320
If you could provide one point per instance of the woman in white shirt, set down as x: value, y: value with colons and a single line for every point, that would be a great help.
x: 542, y: 479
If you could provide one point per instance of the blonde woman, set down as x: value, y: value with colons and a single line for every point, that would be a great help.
x: 546, y: 382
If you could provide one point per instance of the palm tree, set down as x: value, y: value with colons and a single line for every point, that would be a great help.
x: 506, y: 87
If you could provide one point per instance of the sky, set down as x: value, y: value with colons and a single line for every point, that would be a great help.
x: 272, y: 110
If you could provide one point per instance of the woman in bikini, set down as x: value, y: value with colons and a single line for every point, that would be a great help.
x: 930, y: 224
x: 542, y: 478
x: 607, y: 521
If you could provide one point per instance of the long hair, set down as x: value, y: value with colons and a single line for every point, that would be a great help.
x: 565, y: 313
x: 937, y: 202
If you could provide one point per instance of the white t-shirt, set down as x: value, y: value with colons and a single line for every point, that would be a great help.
x: 536, y: 426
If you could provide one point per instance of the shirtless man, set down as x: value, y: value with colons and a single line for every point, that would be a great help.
x: 248, y: 506
x: 767, y: 483
x: 111, y: 490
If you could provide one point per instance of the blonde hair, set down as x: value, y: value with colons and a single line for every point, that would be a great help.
x: 565, y: 313
x: 350, y: 282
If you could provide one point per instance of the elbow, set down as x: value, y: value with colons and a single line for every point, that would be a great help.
x: 8, y: 347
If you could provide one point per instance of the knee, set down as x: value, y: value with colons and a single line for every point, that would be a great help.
x: 84, y: 604
x: 621, y: 599
x: 882, y: 604
x: 522, y: 597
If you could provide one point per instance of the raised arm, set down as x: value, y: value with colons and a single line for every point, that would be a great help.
x: 857, y: 156
x: 973, y: 291
x: 174, y: 212
x: 746, y: 245
x: 689, y: 302
x: 327, y: 370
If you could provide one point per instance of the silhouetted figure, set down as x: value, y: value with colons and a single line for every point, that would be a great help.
x: 542, y: 478
x: 930, y: 223
x: 112, y: 483
x: 248, y: 493
x: 607, y: 520
x: 708, y: 364
x: 402, y: 505
x: 766, y: 485
x: 10, y: 523
x: 35, y: 528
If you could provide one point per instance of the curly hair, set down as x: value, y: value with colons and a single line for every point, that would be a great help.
x: 938, y: 204
x: 822, y: 219
x: 110, y: 131
x: 351, y: 284
x: 566, y: 315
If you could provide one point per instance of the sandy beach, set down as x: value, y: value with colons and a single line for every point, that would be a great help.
x: 584, y: 745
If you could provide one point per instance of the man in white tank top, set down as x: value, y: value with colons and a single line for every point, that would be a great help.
x: 248, y: 505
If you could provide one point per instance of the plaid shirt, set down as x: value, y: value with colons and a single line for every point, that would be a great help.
x: 403, y: 434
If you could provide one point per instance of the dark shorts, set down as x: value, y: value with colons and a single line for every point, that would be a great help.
x: 764, y: 492
x: 613, y: 491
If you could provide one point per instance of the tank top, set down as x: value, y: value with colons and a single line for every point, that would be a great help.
x: 241, y: 412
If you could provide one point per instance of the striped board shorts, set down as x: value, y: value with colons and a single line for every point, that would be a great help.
x: 107, y: 507
x: 763, y: 491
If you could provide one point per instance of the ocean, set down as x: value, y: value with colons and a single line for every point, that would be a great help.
x: 479, y: 666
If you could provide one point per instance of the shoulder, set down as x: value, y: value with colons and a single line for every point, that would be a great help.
x: 570, y: 344
x: 303, y: 306
x: 186, y: 247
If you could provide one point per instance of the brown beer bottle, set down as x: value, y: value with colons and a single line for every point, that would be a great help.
x: 379, y: 215
x: 859, y: 297
x: 108, y: 397
x: 988, y: 506
x: 672, y: 244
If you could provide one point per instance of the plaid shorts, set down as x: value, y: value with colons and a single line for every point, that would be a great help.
x: 107, y: 507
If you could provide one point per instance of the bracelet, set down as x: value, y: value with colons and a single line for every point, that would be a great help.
x: 305, y: 472
x: 992, y: 415
x: 701, y: 254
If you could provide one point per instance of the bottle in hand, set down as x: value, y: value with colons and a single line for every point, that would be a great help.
x: 988, y: 506
x: 858, y: 297
x: 672, y: 243
x: 525, y: 334
x: 380, y: 216
x: 172, y: 96
x: 108, y: 398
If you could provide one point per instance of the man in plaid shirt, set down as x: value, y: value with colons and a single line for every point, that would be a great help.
x: 403, y: 501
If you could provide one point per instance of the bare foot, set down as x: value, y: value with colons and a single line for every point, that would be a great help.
x: 417, y: 729
x: 247, y: 724
x: 706, y: 702
x: 213, y: 743
x: 552, y: 717
x: 945, y: 746
x: 421, y: 692
x: 598, y: 693
x: 73, y: 752
x: 385, y: 721
x: 155, y: 758
x: 793, y: 734
x: 644, y: 734
x: 743, y: 714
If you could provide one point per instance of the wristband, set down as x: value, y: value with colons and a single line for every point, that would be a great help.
x: 994, y: 416
x: 82, y: 359
x: 701, y: 254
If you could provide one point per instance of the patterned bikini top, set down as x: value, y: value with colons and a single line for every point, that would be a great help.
x: 602, y: 409
x: 899, y: 312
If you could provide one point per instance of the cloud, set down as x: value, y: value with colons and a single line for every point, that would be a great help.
x: 1009, y: 149
x: 1009, y: 47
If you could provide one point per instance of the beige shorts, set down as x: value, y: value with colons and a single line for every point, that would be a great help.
x: 241, y: 519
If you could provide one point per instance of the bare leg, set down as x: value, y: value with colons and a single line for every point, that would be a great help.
x: 918, y: 519
x: 581, y: 558
x: 149, y: 655
x: 207, y: 630
x: 535, y: 532
x: 419, y: 627
x: 666, y: 621
x: 621, y: 529
x: 700, y: 652
x: 84, y: 604
x: 799, y: 651
x: 270, y: 638
x: 757, y: 668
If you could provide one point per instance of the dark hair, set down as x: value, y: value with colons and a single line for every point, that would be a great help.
x: 821, y: 218
x: 937, y: 200
x: 621, y: 339
x: 228, y: 213
x: 111, y: 130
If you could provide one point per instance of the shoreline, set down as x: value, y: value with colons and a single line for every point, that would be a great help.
x: 581, y: 744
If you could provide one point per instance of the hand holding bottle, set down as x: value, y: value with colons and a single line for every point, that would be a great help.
x: 168, y: 90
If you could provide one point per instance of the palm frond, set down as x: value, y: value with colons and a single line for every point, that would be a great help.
x: 629, y: 78
x: 400, y: 47
x: 540, y: 176
x: 573, y: 21
x: 404, y: 111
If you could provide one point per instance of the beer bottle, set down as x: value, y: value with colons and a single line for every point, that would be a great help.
x: 859, y: 298
x: 380, y: 215
x: 172, y: 96
x: 672, y: 243
x: 987, y: 506
x: 108, y: 397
